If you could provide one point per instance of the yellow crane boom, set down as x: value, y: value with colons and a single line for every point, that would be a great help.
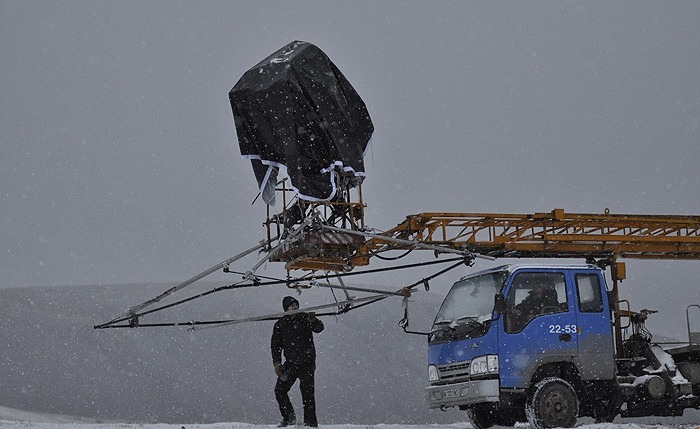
x: 555, y: 234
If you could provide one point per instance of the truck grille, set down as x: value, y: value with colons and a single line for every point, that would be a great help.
x: 454, y: 371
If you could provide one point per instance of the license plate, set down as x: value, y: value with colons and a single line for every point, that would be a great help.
x: 452, y: 393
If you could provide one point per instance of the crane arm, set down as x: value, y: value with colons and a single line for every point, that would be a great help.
x: 555, y: 234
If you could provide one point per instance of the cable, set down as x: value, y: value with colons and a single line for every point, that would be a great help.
x: 347, y: 306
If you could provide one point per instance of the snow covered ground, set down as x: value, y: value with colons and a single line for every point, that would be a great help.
x: 49, y: 425
x: 16, y: 419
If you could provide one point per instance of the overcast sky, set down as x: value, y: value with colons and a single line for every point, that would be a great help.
x: 119, y: 160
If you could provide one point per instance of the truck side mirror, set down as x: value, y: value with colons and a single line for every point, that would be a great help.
x: 500, y: 303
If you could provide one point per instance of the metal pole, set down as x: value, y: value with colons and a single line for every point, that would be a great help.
x: 187, y: 282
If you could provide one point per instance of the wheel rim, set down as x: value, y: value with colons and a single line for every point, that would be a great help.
x: 556, y: 407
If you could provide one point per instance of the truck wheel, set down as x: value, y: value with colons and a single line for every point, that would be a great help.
x: 505, y: 420
x: 481, y: 417
x: 553, y: 403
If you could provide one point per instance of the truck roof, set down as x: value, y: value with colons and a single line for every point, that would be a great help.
x: 514, y: 267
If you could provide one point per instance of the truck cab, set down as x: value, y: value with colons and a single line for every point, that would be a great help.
x: 536, y: 343
x: 502, y: 331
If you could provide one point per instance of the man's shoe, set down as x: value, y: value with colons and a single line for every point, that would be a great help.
x: 310, y: 425
x: 285, y: 423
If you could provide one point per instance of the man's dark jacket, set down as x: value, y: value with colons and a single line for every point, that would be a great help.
x: 293, y: 334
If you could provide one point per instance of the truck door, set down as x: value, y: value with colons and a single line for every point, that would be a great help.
x: 538, y: 325
x: 596, y: 360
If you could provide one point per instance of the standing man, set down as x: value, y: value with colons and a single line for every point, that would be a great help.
x: 293, y: 335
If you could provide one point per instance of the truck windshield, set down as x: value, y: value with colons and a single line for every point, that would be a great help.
x: 470, y: 299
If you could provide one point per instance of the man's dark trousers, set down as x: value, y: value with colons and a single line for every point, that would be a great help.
x: 305, y: 374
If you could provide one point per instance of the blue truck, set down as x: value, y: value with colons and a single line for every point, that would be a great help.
x: 538, y: 343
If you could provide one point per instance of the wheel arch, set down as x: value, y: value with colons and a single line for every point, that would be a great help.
x: 566, y: 370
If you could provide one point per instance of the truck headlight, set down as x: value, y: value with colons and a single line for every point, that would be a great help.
x: 484, y: 365
x: 433, y: 373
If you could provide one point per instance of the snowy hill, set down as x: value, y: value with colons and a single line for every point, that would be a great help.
x: 14, y: 415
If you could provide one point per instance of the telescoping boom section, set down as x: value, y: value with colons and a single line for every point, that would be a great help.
x: 556, y: 234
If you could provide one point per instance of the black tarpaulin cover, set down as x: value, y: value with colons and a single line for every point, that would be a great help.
x: 296, y: 110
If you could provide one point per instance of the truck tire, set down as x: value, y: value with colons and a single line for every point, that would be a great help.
x: 506, y: 420
x: 481, y: 417
x: 552, y: 403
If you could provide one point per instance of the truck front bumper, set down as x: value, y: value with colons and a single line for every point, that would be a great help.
x: 465, y: 393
